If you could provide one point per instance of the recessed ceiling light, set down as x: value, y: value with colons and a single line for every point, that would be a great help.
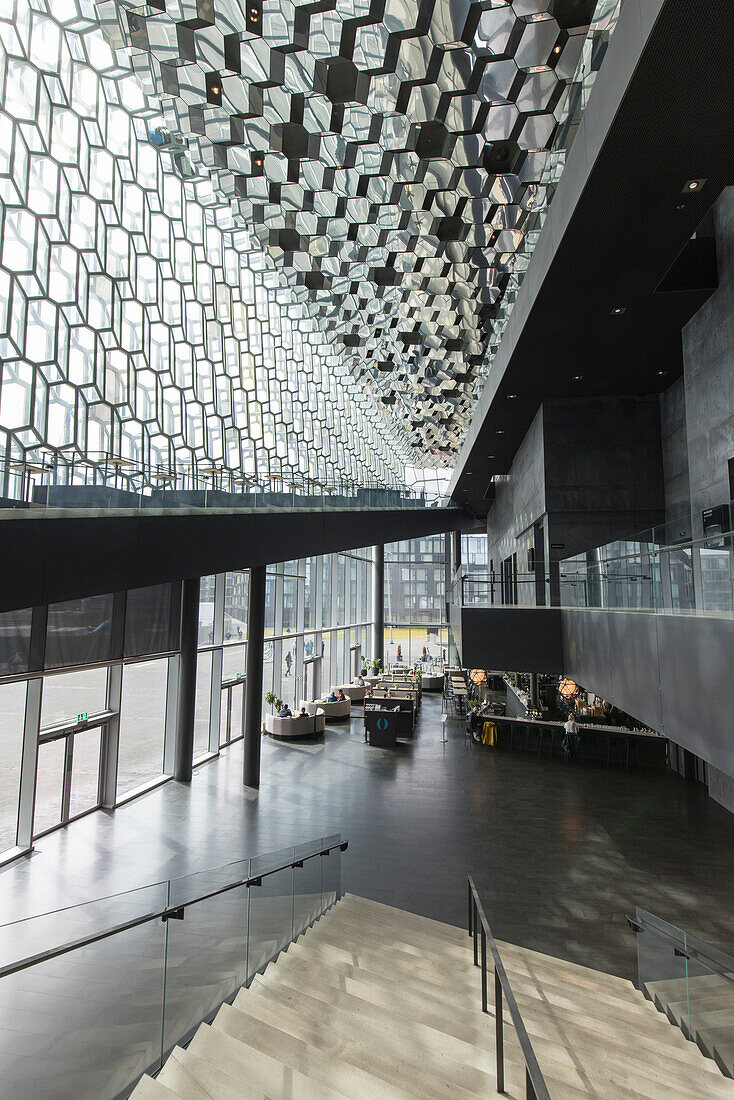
x: 618, y: 309
x: 577, y: 377
x: 500, y: 431
x: 693, y: 185
x: 511, y: 395
x: 556, y: 49
x: 491, y: 456
x: 661, y: 373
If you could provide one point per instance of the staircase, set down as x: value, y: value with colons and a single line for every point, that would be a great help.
x: 376, y: 1003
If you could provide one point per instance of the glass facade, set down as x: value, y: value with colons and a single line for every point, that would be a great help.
x: 416, y: 628
x: 139, y: 320
x: 96, y: 723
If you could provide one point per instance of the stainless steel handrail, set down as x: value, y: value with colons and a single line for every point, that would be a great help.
x: 169, y: 912
x: 481, y: 933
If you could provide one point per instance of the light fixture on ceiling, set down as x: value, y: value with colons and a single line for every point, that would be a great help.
x: 491, y: 456
x: 618, y: 310
x: 500, y: 431
x: 577, y: 377
x: 692, y: 185
x: 511, y: 396
x: 661, y: 373
x: 557, y: 49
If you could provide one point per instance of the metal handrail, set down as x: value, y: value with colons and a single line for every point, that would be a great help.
x: 481, y: 933
x: 639, y: 924
x: 168, y: 912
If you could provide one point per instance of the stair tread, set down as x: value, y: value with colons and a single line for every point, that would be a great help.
x: 149, y: 1088
x: 273, y: 1078
x: 381, y: 1003
x: 298, y: 1016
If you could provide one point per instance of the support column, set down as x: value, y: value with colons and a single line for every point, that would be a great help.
x: 455, y: 551
x: 184, y: 758
x: 378, y: 603
x: 534, y: 696
x: 254, y: 676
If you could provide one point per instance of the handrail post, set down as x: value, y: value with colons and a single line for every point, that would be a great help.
x: 476, y: 938
x: 484, y: 971
x: 499, y: 1034
x: 470, y: 905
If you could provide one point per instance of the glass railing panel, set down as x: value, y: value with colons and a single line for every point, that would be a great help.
x: 270, y: 927
x: 331, y: 872
x: 662, y: 967
x: 206, y: 961
x: 187, y: 888
x: 85, y: 1025
x: 711, y: 1002
x: 306, y: 887
x: 44, y: 932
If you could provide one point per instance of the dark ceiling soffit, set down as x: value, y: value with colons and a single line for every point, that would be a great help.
x: 622, y: 223
x: 52, y: 560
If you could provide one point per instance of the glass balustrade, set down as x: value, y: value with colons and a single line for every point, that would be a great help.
x: 96, y: 994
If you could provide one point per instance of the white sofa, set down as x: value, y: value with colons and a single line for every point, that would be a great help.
x: 356, y: 692
x: 286, y: 728
x: 331, y: 710
x: 432, y: 683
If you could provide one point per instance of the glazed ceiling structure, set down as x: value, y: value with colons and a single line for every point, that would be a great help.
x: 388, y: 155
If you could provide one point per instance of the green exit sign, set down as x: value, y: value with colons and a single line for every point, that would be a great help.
x: 82, y: 717
x: 240, y: 675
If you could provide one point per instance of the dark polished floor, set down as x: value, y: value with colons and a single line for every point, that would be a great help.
x: 559, y: 853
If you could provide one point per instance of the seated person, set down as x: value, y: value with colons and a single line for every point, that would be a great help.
x: 360, y: 680
x: 340, y: 696
x: 285, y: 711
x: 332, y: 697
x: 303, y: 713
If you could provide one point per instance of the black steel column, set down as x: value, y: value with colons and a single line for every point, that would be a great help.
x: 378, y: 603
x: 184, y: 756
x: 254, y: 676
x: 534, y: 696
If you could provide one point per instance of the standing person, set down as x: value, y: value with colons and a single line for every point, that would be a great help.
x: 400, y: 654
x: 288, y: 663
x: 570, y: 742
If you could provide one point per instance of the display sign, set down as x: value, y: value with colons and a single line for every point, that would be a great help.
x: 82, y: 717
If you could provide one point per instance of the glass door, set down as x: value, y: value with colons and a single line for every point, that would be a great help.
x: 232, y: 712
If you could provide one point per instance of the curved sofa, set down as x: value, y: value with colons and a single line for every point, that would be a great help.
x: 331, y: 710
x: 356, y: 692
x: 289, y: 728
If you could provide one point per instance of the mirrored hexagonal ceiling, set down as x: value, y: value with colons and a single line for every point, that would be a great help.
x: 387, y: 154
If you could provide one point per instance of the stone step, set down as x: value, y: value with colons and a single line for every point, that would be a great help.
x: 255, y: 1069
x: 320, y: 1065
x: 306, y: 1019
x: 558, y: 1051
x: 193, y: 1078
x: 150, y: 1088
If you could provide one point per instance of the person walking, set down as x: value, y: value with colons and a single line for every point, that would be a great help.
x: 571, y: 740
x: 288, y: 663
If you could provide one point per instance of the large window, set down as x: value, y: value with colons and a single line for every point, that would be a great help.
x: 142, y: 724
x: 12, y: 707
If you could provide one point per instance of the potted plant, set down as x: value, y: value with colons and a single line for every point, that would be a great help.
x: 273, y: 700
x: 377, y: 666
x: 366, y: 662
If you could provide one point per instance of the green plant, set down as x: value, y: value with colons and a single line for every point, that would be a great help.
x: 273, y: 700
x: 366, y: 662
x: 377, y: 666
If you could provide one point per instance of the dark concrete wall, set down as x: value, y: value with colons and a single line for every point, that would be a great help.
x: 520, y: 501
x: 675, y: 448
x: 708, y: 372
x: 604, y: 470
x: 672, y: 672
x: 519, y: 639
x: 590, y: 470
